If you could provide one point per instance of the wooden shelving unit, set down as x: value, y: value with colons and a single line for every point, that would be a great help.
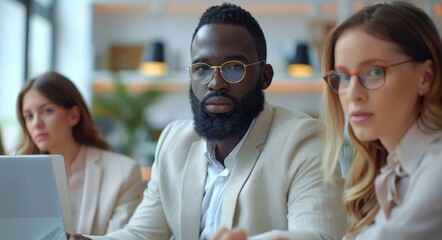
x: 135, y: 82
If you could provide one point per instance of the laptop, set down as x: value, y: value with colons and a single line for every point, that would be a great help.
x: 34, y: 201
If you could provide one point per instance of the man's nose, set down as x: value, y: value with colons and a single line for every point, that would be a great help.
x: 218, y: 83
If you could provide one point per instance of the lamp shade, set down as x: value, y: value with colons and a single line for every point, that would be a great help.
x: 153, y: 63
x: 300, y: 65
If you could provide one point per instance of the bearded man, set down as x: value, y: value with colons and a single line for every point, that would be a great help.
x: 241, y: 162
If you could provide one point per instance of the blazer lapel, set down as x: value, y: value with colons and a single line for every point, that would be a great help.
x: 91, y: 190
x: 246, y: 159
x: 194, y: 177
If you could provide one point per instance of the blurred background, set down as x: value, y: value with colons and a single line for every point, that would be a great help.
x: 129, y: 58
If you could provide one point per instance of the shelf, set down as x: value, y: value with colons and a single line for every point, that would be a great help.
x: 136, y: 82
x: 295, y: 85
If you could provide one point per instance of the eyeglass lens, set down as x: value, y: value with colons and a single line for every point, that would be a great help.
x: 231, y: 71
x: 370, y: 78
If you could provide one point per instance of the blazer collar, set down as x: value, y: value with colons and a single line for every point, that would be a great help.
x: 194, y: 177
x: 246, y: 159
x: 91, y: 189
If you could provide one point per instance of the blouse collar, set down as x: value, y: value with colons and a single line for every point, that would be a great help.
x: 412, y: 147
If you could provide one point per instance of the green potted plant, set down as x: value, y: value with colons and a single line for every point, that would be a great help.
x: 127, y: 109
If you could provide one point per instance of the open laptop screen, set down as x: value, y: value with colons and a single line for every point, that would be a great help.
x: 33, y: 198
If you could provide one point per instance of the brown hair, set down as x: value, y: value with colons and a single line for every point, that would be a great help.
x: 2, y: 150
x: 61, y: 91
x: 416, y: 35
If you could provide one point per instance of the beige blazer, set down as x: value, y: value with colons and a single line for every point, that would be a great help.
x: 276, y: 187
x: 111, y: 191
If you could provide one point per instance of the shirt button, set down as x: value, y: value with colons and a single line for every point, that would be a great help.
x: 221, y: 179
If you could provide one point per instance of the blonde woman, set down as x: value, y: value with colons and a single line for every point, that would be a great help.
x: 383, y: 67
x: 104, y: 187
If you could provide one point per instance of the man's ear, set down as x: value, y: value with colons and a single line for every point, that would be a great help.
x: 267, y: 76
x: 74, y: 116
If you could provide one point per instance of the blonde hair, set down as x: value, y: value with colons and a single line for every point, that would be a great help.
x: 416, y: 35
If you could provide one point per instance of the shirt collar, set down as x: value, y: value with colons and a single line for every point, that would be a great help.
x: 413, y: 146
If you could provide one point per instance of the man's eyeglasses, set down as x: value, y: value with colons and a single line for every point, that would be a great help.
x: 372, y: 77
x: 232, y: 71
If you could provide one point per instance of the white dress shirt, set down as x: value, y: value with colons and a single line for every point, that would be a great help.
x: 216, y: 181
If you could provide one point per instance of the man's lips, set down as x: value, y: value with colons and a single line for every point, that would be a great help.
x: 218, y: 105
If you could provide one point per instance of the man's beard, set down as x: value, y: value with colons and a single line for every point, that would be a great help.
x: 220, y: 126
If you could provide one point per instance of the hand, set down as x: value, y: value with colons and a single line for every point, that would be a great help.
x: 235, y: 234
x: 76, y: 237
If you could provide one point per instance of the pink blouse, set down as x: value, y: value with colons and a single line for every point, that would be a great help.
x: 409, y: 190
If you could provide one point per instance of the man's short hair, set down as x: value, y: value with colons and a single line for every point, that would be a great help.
x: 231, y: 14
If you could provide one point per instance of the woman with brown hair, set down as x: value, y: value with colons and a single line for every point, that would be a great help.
x: 384, y: 71
x: 104, y: 187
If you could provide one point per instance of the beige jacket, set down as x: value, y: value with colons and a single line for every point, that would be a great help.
x: 111, y: 191
x: 276, y: 187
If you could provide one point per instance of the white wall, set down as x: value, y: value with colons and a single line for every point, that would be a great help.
x: 74, y: 47
x: 11, y: 67
x: 282, y: 31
